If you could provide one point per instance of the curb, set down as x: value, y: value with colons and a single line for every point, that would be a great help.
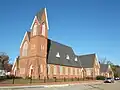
x: 16, y: 87
x: 47, y: 86
x: 62, y: 85
x: 34, y: 86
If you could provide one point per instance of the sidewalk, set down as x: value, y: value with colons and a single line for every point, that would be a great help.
x: 51, y: 84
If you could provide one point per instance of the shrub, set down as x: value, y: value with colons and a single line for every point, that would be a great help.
x: 100, y: 77
x: 2, y: 77
x: 89, y: 78
x: 27, y: 77
x: 12, y: 76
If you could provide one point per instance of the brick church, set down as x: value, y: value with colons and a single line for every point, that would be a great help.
x: 41, y: 57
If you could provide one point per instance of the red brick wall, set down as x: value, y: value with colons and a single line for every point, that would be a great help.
x: 51, y: 75
x: 36, y: 56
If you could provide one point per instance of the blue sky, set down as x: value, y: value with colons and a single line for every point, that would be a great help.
x: 88, y: 26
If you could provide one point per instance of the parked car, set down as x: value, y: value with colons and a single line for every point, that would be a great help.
x: 109, y: 80
x: 117, y: 78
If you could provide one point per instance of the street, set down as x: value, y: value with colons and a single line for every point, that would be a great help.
x: 101, y: 86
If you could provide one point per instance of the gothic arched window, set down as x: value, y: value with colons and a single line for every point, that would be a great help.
x: 43, y: 29
x: 25, y: 49
x: 34, y: 29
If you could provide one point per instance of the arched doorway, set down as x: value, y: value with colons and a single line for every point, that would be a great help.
x: 31, y: 71
x: 83, y: 73
x: 110, y: 74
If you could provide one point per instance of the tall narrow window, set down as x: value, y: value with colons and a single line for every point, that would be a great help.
x: 43, y: 29
x: 71, y: 71
x: 42, y: 47
x: 49, y: 70
x: 75, y: 71
x: 61, y: 70
x: 55, y: 70
x: 25, y: 49
x: 41, y: 68
x: 34, y: 29
x: 66, y: 70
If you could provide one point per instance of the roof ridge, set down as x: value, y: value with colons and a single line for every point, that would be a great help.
x: 87, y: 54
x: 60, y: 43
x: 64, y: 45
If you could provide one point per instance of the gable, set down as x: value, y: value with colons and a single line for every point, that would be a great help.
x: 103, y: 67
x: 87, y: 61
x: 42, y: 14
x: 26, y: 37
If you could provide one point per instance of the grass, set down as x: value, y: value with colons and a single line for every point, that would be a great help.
x: 35, y: 81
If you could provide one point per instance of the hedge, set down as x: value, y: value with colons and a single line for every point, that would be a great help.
x: 100, y: 77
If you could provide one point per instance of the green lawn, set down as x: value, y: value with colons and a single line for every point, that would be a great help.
x: 34, y: 81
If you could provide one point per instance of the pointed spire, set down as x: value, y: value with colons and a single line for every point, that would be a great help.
x: 39, y: 17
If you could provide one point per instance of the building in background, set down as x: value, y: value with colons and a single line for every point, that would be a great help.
x: 106, y: 70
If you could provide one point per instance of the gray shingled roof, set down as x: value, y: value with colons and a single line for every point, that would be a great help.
x: 103, y: 67
x: 87, y: 61
x: 28, y: 35
x: 55, y: 47
x: 39, y: 14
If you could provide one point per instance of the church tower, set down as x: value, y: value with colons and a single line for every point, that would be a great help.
x: 33, y: 49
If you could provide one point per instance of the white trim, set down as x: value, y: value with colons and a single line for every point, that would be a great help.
x: 14, y: 62
x: 97, y: 60
x: 15, y: 70
x: 46, y: 19
x: 33, y: 22
x: 23, y: 39
x: 82, y: 69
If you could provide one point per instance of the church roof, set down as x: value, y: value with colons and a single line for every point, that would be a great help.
x: 87, y: 61
x: 39, y: 14
x: 54, y: 48
x: 103, y: 67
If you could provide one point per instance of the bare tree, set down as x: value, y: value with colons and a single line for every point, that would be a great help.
x: 4, y: 59
x: 102, y: 60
